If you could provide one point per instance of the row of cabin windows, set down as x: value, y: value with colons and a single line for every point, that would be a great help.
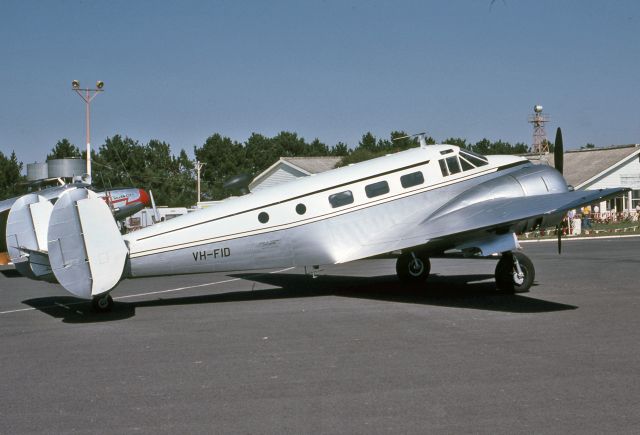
x: 371, y: 190
x: 263, y: 217
x: 465, y: 161
x: 375, y: 189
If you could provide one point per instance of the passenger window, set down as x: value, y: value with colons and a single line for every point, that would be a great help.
x: 443, y: 168
x: 412, y: 179
x: 377, y: 189
x: 340, y: 199
x: 452, y: 163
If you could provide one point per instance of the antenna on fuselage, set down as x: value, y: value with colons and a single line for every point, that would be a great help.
x: 422, y: 138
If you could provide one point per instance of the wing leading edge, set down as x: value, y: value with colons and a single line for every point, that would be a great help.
x: 477, y: 221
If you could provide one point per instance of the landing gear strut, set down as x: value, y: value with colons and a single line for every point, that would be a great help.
x: 102, y: 304
x: 413, y: 267
x: 514, y: 272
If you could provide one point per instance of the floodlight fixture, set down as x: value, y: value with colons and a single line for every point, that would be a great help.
x: 87, y: 95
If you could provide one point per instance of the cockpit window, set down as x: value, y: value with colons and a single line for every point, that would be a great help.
x: 474, y: 158
x: 443, y: 168
x: 466, y: 166
x: 453, y: 164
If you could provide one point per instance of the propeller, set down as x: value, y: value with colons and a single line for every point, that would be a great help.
x: 238, y: 182
x: 558, y: 163
x: 558, y: 151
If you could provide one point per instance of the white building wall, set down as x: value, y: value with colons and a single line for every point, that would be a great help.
x: 626, y: 175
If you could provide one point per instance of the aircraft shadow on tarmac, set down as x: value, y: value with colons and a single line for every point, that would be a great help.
x: 460, y: 291
x: 11, y: 273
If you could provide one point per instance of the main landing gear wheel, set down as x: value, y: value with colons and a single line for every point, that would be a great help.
x: 413, y: 267
x: 102, y: 304
x: 514, y: 273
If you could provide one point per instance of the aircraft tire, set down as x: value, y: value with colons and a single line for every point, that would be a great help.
x: 506, y: 278
x: 413, y: 270
x: 102, y: 304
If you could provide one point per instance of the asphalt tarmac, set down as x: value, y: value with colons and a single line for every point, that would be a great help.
x: 351, y: 351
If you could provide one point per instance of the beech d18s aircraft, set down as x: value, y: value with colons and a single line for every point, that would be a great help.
x: 422, y: 202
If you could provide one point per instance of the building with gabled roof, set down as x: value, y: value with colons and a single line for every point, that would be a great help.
x: 291, y: 168
x: 599, y: 168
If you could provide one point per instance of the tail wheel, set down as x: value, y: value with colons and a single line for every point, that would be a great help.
x: 413, y: 267
x: 509, y: 278
x: 102, y: 304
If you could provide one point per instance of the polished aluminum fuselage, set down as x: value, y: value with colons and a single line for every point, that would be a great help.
x: 235, y: 235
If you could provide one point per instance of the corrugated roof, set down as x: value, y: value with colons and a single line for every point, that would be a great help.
x: 313, y: 165
x: 582, y: 165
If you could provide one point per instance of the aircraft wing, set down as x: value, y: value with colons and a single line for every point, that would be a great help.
x: 501, y: 213
x: 475, y: 221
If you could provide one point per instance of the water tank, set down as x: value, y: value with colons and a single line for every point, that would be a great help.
x: 37, y: 171
x: 63, y: 168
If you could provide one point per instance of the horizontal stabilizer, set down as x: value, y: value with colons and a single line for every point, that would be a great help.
x: 86, y: 252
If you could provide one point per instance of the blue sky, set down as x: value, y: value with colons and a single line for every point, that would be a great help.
x: 181, y: 71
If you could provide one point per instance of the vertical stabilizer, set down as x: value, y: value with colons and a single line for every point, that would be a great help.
x: 26, y: 235
x: 86, y: 252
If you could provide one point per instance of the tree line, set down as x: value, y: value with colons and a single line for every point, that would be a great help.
x: 123, y: 161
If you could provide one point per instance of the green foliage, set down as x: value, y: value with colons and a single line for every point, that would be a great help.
x: 340, y: 149
x: 588, y: 146
x: 224, y: 158
x: 462, y: 143
x: 122, y: 161
x: 370, y: 147
x: 485, y: 146
x: 64, y: 149
x: 10, y: 178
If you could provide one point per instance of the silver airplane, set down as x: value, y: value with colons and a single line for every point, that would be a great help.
x: 422, y: 202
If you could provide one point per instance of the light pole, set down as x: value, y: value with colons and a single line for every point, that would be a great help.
x: 87, y: 95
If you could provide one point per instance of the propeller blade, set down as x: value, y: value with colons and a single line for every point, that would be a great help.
x: 559, y: 231
x: 558, y: 151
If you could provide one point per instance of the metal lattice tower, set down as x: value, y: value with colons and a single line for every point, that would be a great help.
x: 538, y: 119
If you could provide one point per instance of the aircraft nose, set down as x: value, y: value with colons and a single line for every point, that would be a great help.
x: 144, y: 197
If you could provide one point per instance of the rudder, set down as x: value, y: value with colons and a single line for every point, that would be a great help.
x: 86, y: 251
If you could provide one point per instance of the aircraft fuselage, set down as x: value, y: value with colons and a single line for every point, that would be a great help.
x: 341, y: 215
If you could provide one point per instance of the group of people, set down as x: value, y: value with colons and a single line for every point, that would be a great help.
x: 590, y: 214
